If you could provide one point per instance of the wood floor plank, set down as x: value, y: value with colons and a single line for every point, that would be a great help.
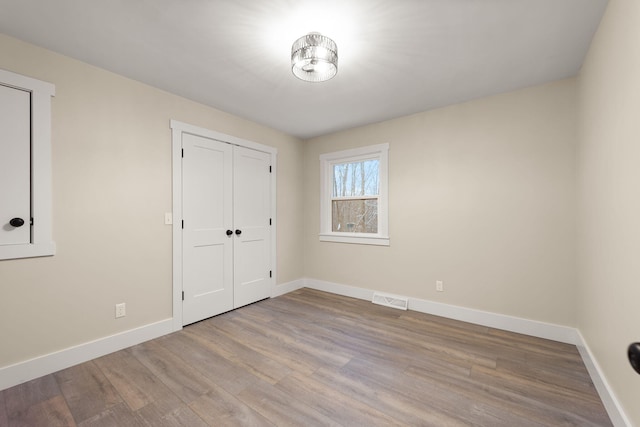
x: 136, y: 385
x: 403, y: 409
x: 52, y: 412
x: 223, y: 372
x: 220, y: 408
x: 383, y: 375
x: 258, y: 339
x: 168, y: 412
x: 117, y: 415
x: 4, y: 419
x: 183, y: 379
x: 20, y: 398
x: 587, y: 408
x: 495, y: 401
x: 575, y: 379
x: 239, y: 353
x: 282, y: 409
x: 86, y: 390
x: 314, y: 358
x: 297, y: 354
x: 331, y: 403
x: 314, y: 335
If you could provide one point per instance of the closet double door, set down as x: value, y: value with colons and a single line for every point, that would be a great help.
x: 226, y: 247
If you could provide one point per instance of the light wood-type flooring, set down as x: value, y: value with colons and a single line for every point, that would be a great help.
x: 310, y: 358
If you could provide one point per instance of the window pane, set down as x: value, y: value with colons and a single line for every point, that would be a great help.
x: 356, y: 179
x: 355, y: 216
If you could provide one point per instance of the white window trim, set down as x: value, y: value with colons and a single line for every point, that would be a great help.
x: 41, y: 231
x: 381, y: 152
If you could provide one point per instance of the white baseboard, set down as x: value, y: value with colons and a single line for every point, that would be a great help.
x: 337, y: 288
x: 285, y: 288
x: 534, y: 328
x: 49, y: 363
x: 611, y: 403
x: 34, y: 368
x: 519, y: 325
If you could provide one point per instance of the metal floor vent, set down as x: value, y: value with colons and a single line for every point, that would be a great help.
x: 394, y: 301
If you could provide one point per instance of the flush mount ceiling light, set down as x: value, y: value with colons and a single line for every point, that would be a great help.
x: 314, y: 58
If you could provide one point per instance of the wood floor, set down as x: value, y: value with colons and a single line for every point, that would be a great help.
x: 311, y: 358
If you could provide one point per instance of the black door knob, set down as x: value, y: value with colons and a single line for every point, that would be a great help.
x: 16, y: 222
x: 634, y: 356
x: 229, y: 232
x: 238, y: 232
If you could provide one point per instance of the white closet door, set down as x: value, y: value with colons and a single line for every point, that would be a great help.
x: 207, y: 204
x: 252, y: 207
x: 15, y: 166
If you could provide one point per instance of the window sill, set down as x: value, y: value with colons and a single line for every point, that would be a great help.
x: 357, y: 239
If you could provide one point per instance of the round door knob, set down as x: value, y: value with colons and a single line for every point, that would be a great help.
x: 238, y: 232
x: 229, y: 232
x: 16, y: 222
x: 634, y: 356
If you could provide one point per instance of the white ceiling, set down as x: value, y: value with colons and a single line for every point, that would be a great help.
x: 396, y: 57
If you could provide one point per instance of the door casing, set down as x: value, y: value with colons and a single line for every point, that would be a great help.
x: 42, y: 243
x: 177, y: 130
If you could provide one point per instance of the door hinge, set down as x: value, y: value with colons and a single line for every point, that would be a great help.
x: 269, y: 169
x: 182, y: 295
x: 270, y: 273
x: 183, y: 152
x: 270, y: 221
x: 183, y: 224
x: 31, y: 222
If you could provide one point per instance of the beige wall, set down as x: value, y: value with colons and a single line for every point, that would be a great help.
x: 111, y: 188
x: 609, y: 203
x: 482, y: 196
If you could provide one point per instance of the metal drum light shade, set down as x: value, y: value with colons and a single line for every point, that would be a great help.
x: 314, y: 58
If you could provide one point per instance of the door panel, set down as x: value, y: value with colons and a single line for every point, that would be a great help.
x: 15, y: 165
x: 207, y: 210
x: 252, y: 209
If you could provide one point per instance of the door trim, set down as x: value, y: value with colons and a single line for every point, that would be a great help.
x: 42, y: 243
x: 177, y: 130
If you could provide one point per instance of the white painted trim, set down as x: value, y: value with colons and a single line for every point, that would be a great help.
x: 336, y: 288
x: 327, y: 160
x: 177, y: 129
x: 285, y: 288
x: 505, y: 322
x: 494, y: 320
x: 274, y: 219
x: 176, y: 230
x: 43, y: 365
x: 354, y: 238
x: 611, y: 403
x: 519, y: 325
x: 222, y: 137
x: 42, y: 243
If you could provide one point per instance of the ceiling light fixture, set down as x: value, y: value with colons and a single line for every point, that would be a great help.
x: 314, y: 58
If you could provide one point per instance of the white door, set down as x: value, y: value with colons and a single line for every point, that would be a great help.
x: 15, y: 166
x: 252, y: 242
x: 207, y: 206
x: 226, y: 237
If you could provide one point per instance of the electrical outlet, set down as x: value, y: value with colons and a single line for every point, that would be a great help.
x: 439, y: 286
x: 121, y: 310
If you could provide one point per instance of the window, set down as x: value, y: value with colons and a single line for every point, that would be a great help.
x: 353, y: 191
